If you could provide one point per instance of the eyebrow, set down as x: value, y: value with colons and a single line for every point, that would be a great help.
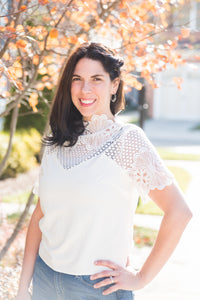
x: 96, y: 75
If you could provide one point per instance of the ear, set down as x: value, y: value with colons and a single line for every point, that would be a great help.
x: 115, y: 85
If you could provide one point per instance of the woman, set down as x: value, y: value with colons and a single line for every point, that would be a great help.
x: 93, y: 169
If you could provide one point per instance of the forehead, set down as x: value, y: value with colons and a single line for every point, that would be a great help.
x: 87, y: 66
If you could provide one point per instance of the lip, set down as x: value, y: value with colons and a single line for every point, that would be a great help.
x: 87, y: 104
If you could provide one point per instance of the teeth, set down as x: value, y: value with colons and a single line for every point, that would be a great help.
x: 86, y: 101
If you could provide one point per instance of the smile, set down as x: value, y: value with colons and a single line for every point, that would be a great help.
x: 87, y: 102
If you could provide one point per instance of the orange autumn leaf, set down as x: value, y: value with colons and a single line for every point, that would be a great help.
x: 6, y: 56
x: 73, y: 39
x: 133, y: 82
x: 43, y: 2
x: 2, y: 28
x: 45, y: 78
x: 33, y: 101
x: 35, y: 59
x: 42, y: 71
x: 23, y: 7
x: 20, y: 28
x: 53, y: 10
x: 48, y: 59
x: 10, y: 29
x: 19, y: 85
x: 40, y: 86
x: 123, y: 14
x: 49, y: 85
x: 185, y: 32
x: 5, y: 94
x: 21, y: 44
x: 17, y: 69
x: 51, y: 70
x: 178, y: 81
x: 53, y: 33
x: 11, y: 74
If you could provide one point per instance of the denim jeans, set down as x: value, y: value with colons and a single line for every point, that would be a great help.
x: 51, y: 285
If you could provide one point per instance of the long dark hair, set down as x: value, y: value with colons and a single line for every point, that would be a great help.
x: 66, y: 121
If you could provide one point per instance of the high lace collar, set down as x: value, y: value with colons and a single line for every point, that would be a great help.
x: 98, y: 123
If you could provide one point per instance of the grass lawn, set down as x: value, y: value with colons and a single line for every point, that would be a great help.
x: 20, y: 198
x: 144, y: 236
x: 172, y: 155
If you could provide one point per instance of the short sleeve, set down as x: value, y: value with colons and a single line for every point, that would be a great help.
x: 146, y: 167
x: 37, y: 181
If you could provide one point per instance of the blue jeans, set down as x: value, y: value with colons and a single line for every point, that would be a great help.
x: 51, y: 285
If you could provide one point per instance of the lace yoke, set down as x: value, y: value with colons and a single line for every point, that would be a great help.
x: 126, y: 144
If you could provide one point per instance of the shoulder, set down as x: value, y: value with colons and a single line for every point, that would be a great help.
x: 133, y: 131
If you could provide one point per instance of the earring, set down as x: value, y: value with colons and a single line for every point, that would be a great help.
x: 113, y: 98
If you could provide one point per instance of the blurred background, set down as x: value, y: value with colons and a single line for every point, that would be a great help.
x: 160, y: 43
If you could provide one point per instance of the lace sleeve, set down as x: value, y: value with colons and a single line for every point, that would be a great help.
x: 147, y: 169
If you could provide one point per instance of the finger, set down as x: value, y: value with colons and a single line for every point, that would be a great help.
x: 106, y: 273
x: 104, y: 282
x: 107, y: 263
x: 111, y: 289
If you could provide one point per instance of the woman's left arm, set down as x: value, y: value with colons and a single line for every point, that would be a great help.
x: 176, y: 216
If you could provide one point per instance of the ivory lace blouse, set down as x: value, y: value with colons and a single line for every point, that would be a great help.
x: 89, y: 193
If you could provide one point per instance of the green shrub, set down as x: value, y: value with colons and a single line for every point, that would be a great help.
x: 24, y: 154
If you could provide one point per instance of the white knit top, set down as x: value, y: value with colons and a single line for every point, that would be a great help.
x: 89, y: 193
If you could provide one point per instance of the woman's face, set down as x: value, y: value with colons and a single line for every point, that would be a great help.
x: 92, y: 88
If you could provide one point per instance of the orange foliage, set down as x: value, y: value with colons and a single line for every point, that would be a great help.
x: 21, y: 44
x: 43, y: 2
x: 10, y: 29
x: 42, y: 71
x: 35, y: 59
x: 33, y: 101
x: 23, y: 7
x: 53, y: 33
x: 178, y: 81
x: 58, y: 28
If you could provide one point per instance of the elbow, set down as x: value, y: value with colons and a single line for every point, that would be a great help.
x: 185, y: 216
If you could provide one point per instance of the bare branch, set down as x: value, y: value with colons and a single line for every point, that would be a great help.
x: 30, y: 113
x: 18, y: 11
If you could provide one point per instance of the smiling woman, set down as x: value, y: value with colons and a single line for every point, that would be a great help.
x: 79, y: 240
x: 92, y: 89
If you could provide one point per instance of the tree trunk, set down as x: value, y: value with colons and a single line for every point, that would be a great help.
x: 12, y: 133
x: 18, y: 226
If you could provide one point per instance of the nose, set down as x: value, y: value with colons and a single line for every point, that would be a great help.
x: 86, y: 87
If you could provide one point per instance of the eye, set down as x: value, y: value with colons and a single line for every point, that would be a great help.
x: 75, y: 79
x: 97, y: 79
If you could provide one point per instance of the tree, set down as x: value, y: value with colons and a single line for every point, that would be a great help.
x: 38, y: 36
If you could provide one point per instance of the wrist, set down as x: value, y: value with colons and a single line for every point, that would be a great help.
x: 141, y: 279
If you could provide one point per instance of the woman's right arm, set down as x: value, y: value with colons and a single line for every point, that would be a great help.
x: 33, y: 239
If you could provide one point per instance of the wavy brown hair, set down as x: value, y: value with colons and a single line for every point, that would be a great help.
x: 66, y: 121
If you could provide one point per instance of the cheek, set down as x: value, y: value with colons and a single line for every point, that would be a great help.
x: 74, y: 90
